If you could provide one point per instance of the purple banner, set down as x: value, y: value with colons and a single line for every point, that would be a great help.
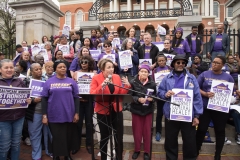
x: 13, y: 97
x: 37, y: 87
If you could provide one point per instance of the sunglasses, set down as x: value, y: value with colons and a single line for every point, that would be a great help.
x: 107, y: 46
x: 84, y: 62
x: 181, y: 63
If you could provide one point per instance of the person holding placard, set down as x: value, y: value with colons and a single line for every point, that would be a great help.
x: 161, y: 70
x: 127, y: 45
x: 179, y: 44
x: 95, y: 40
x: 50, y: 52
x: 142, y: 110
x: 68, y: 51
x: 11, y: 120
x: 148, y: 50
x: 167, y: 48
x: 198, y: 66
x: 34, y: 116
x: 59, y: 56
x: 19, y: 50
x: 101, y: 84
x: 131, y: 34
x: 26, y: 57
x: 219, y: 118
x: 60, y: 102
x: 233, y: 67
x: 86, y: 64
x: 181, y: 79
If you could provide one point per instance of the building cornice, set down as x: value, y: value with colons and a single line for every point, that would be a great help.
x: 69, y: 2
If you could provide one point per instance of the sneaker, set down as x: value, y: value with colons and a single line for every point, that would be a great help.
x: 27, y: 141
x: 158, y: 136
x: 238, y: 139
x: 227, y: 141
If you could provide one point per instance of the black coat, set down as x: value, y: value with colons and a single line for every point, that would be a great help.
x: 136, y: 107
x: 153, y: 52
x: 171, y: 51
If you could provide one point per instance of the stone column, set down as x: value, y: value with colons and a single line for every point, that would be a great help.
x: 116, y: 5
x: 129, y: 5
x: 20, y: 30
x: 202, y: 8
x: 39, y: 28
x: 206, y: 7
x: 211, y: 7
x: 156, y: 4
x: 170, y: 4
x: 191, y: 1
x: 142, y: 5
x: 111, y: 6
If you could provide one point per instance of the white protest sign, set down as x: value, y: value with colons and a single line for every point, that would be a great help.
x: 64, y: 49
x: 125, y: 59
x: 184, y: 98
x: 111, y: 57
x: 222, y: 96
x: 84, y: 79
x: 239, y: 82
x: 44, y: 53
x: 35, y: 49
x: 169, y: 59
x: 66, y: 29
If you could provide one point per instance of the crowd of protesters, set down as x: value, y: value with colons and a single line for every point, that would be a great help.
x: 54, y: 121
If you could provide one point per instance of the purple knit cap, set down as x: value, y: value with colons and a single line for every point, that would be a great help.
x: 179, y: 29
x: 147, y: 67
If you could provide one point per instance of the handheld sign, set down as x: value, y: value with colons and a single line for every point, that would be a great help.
x: 222, y: 96
x: 239, y: 82
x: 44, y: 53
x: 25, y: 48
x: 125, y: 59
x: 13, y: 97
x: 66, y: 29
x: 84, y: 79
x: 37, y: 87
x: 158, y: 77
x: 115, y: 42
x: 35, y: 49
x: 184, y: 98
x: 149, y: 92
x: 160, y: 45
x: 111, y: 57
x: 64, y: 49
x: 169, y: 59
x: 95, y: 54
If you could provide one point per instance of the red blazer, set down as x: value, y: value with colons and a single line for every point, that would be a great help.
x: 96, y: 88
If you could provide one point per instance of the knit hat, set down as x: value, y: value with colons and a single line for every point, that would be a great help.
x: 147, y: 67
x: 179, y: 29
x: 179, y: 57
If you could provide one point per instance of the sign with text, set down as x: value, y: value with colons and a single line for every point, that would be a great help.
x: 95, y: 54
x: 35, y: 49
x: 184, y: 98
x: 64, y: 49
x: 111, y: 57
x: 116, y: 42
x: 160, y: 45
x: 84, y: 79
x: 37, y: 87
x: 44, y: 53
x: 169, y: 59
x: 13, y: 97
x: 222, y: 96
x: 125, y: 59
x: 66, y: 29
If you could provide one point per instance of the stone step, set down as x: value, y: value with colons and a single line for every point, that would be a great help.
x: 207, y: 148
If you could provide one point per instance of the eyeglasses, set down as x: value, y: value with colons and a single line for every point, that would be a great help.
x: 107, y: 46
x: 181, y: 63
x: 84, y: 62
x: 166, y: 43
x: 216, y: 63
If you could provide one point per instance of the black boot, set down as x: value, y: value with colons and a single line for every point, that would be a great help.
x: 146, y: 156
x: 75, y: 151
x: 135, y: 155
x: 68, y: 158
x: 56, y: 158
x: 217, y: 157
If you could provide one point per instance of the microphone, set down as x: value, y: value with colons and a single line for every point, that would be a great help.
x: 109, y: 78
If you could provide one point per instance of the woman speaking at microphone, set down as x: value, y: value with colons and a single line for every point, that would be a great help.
x: 101, y: 84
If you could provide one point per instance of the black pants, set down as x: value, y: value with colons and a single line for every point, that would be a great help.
x: 160, y: 105
x: 188, y: 132
x: 219, y: 120
x: 117, y: 123
x: 85, y: 112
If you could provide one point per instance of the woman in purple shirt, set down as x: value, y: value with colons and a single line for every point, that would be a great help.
x: 95, y: 40
x: 179, y: 44
x: 219, y: 118
x: 131, y: 34
x: 60, y: 102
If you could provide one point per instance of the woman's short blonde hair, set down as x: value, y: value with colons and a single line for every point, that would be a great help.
x: 102, y: 63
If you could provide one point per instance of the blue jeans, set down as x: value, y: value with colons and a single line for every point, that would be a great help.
x: 10, y: 137
x: 236, y: 118
x: 215, y: 54
x: 35, y: 129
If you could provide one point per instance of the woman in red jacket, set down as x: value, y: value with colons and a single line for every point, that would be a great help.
x: 101, y: 84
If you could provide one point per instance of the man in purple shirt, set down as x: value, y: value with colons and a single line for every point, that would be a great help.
x: 195, y: 42
x: 219, y: 43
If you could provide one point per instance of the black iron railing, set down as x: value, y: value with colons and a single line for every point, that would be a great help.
x: 9, y: 49
x: 156, y: 13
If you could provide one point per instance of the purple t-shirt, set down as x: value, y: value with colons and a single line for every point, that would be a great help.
x: 74, y: 65
x: 133, y: 40
x: 193, y: 51
x: 162, y: 69
x: 205, y: 82
x: 61, y: 94
x: 147, y: 52
x: 218, y: 43
x: 183, y: 47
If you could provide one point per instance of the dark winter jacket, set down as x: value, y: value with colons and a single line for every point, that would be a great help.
x: 165, y: 51
x: 153, y: 52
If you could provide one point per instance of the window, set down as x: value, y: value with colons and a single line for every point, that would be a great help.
x: 149, y: 6
x: 176, y: 5
x: 136, y: 7
x: 123, y: 8
x: 68, y: 18
x: 230, y: 12
x: 196, y: 9
x: 216, y: 8
x: 163, y: 5
x: 79, y: 17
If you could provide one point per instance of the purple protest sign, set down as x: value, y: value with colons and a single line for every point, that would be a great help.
x: 95, y: 54
x: 184, y: 98
x: 125, y: 59
x: 37, y: 87
x: 222, y: 96
x: 13, y: 97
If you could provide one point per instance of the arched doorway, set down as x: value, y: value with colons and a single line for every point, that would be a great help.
x: 121, y: 32
x: 201, y: 29
x: 150, y: 29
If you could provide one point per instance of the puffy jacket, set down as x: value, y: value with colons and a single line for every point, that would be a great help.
x: 136, y: 107
x: 190, y: 82
x: 12, y: 114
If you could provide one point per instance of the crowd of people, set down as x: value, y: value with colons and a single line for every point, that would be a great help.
x: 54, y: 121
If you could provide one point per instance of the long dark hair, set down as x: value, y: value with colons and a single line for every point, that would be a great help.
x: 91, y: 43
x: 90, y: 60
x: 175, y: 40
